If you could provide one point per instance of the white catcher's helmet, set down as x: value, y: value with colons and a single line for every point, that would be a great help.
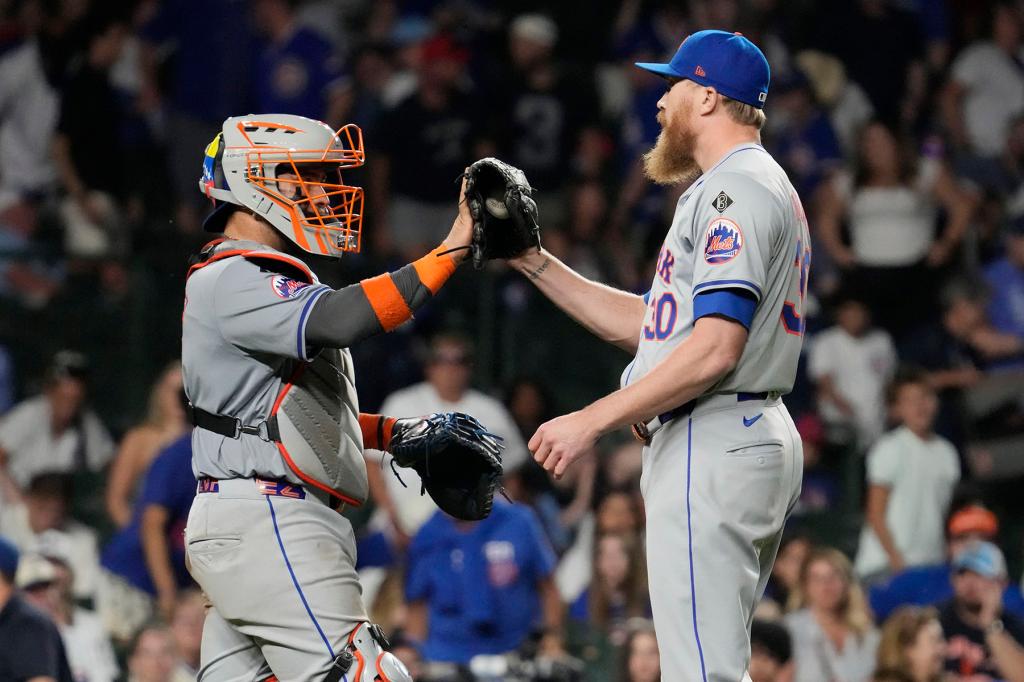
x: 287, y: 170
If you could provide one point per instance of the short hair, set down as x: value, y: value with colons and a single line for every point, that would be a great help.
x: 743, y: 113
x: 52, y: 484
x: 772, y: 638
x: 905, y: 376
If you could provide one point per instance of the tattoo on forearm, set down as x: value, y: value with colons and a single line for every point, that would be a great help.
x: 535, y: 274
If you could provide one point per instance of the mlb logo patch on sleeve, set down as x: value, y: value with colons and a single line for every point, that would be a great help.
x: 286, y: 287
x: 724, y: 241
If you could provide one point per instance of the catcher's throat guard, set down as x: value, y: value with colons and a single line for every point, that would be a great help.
x: 314, y: 421
x: 286, y: 170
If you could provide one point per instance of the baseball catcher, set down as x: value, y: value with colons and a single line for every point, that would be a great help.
x: 279, y: 439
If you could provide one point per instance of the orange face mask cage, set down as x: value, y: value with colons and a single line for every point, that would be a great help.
x: 341, y: 220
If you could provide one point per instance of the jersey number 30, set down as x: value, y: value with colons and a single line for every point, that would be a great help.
x: 793, y: 312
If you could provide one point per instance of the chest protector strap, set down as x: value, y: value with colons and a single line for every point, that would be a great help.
x: 315, y: 419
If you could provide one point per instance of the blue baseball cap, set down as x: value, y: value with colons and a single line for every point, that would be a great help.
x: 982, y: 558
x: 725, y: 61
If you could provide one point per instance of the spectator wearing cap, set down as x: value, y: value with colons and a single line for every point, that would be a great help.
x: 770, y: 652
x: 923, y: 585
x: 449, y: 368
x: 55, y: 431
x: 46, y: 582
x: 851, y: 363
x: 420, y: 146
x: 911, y: 473
x: 984, y: 641
x: 802, y: 136
x: 38, y: 521
x: 32, y: 649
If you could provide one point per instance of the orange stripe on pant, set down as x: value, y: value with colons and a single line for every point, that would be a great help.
x: 386, y: 301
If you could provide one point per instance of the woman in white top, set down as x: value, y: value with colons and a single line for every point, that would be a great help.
x: 890, y: 208
x: 834, y: 639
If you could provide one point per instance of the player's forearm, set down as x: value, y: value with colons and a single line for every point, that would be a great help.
x: 379, y: 304
x: 610, y: 314
x: 696, y: 365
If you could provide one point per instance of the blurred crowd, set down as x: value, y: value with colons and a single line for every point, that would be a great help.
x: 900, y: 122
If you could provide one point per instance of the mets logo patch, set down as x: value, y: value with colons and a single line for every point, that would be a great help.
x: 286, y: 287
x: 723, y: 242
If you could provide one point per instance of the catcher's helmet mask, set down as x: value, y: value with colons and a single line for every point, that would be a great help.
x: 286, y: 170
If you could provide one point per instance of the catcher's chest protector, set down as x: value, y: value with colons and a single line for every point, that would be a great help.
x: 317, y: 410
x: 318, y: 418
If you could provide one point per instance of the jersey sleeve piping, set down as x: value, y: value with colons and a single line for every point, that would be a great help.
x: 714, y: 284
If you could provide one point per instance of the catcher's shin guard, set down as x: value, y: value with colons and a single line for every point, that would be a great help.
x: 367, y: 654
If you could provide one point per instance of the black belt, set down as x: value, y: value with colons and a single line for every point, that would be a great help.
x: 232, y: 427
x: 643, y: 433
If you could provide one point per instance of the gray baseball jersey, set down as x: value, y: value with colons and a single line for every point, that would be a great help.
x: 720, y: 477
x: 740, y: 226
x: 243, y: 336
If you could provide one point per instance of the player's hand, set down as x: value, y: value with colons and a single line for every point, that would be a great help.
x: 461, y: 234
x: 561, y: 441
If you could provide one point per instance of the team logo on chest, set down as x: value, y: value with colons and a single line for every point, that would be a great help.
x: 286, y: 287
x: 723, y: 242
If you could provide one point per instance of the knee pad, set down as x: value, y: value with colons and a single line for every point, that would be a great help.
x: 366, y: 656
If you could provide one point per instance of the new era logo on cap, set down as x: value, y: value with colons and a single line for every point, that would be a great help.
x: 699, y: 71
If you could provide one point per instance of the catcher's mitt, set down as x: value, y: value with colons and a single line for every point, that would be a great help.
x: 505, y: 220
x: 457, y: 459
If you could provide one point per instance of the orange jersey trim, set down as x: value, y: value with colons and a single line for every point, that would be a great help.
x: 386, y: 300
x: 434, y: 269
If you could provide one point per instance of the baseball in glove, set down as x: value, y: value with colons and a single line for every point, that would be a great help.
x: 505, y: 219
x: 458, y: 460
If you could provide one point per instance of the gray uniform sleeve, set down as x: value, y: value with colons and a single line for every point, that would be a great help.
x: 733, y: 235
x: 264, y: 311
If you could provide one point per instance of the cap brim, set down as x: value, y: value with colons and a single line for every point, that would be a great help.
x: 216, y: 221
x: 663, y: 70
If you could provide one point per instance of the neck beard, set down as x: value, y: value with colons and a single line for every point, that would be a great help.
x: 671, y: 161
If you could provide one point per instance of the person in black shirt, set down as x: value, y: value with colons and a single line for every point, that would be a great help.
x: 31, y: 649
x: 984, y: 642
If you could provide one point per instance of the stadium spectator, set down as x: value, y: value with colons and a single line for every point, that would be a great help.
x: 530, y: 404
x: 447, y: 389
x: 833, y: 634
x: 641, y: 662
x: 187, y: 629
x: 617, y: 593
x: 912, y: 648
x: 422, y: 144
x: 771, y: 652
x: 911, y: 474
x: 986, y: 87
x: 801, y: 135
x: 851, y: 364
x: 32, y: 648
x: 1005, y: 279
x: 39, y: 521
x: 890, y: 205
x: 783, y: 584
x: 924, y: 585
x: 151, y: 657
x: 819, y: 491
x: 297, y: 70
x: 164, y: 423
x: 87, y: 147
x: 408, y: 652
x: 481, y: 587
x: 55, y: 431
x: 47, y: 581
x: 983, y: 639
x: 145, y: 561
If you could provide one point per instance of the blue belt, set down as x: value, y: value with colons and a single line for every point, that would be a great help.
x: 643, y: 432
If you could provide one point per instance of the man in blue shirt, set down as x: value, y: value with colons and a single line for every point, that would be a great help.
x: 149, y: 553
x: 1005, y: 279
x: 481, y: 587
